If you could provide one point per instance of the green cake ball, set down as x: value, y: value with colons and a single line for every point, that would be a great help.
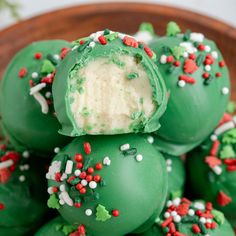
x: 57, y: 227
x: 197, y: 78
x: 211, y: 168
x: 182, y: 217
x: 112, y: 185
x: 28, y: 117
x: 22, y: 198
x: 176, y: 176
x: 108, y: 84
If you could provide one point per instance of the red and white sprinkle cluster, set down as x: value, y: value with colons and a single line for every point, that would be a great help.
x: 180, y: 211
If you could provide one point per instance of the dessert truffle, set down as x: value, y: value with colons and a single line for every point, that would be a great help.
x: 22, y: 201
x: 211, y: 168
x: 26, y: 102
x: 112, y: 185
x: 108, y: 84
x: 185, y: 218
x: 197, y: 78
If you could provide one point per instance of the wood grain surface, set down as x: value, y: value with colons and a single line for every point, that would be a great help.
x: 74, y: 22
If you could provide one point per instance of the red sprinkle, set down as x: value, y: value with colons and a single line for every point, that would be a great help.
x: 218, y: 74
x: 64, y: 52
x: 82, y: 190
x: 38, y: 55
x: 182, y: 209
x: 97, y: 178
x: 2, y: 206
x: 223, y: 199
x: 79, y: 165
x: 81, y: 229
x: 213, y: 225
x: 201, y: 47
x: 102, y: 40
x: 192, y: 56
x: 221, y: 63
x: 81, y: 42
x: 78, y: 157
x: 83, y: 175
x: 212, y: 161
x: 148, y: 51
x: 98, y: 166
x: 87, y: 148
x: 187, y: 79
x: 172, y: 228
x: 79, y: 186
x: 115, y: 213
x: 58, y: 177
x: 205, y: 75
x: 22, y: 72
x: 77, y: 205
x: 230, y: 161
x: 130, y: 42
x: 177, y: 63
x: 214, y: 148
x: 231, y: 168
x: 55, y: 189
x: 209, y: 206
x: 196, y: 229
x: 227, y: 117
x: 70, y: 179
x: 170, y: 59
x: 167, y: 222
x: 89, y: 178
x: 190, y: 66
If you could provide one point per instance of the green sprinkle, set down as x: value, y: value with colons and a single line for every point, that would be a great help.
x: 53, y: 202
x: 172, y: 29
x: 227, y: 152
x: 89, y: 127
x: 106, y: 31
x: 130, y: 152
x: 208, y: 80
x: 187, y: 35
x: 195, y: 44
x: 112, y: 36
x: 148, y: 27
x: 166, y: 49
x: 138, y: 58
x: 178, y: 52
x: 141, y: 46
x: 171, y: 69
x: 141, y: 100
x: 102, y: 183
x: 199, y: 60
x: 119, y: 63
x: 85, y: 112
x: 176, y: 194
x: 231, y: 107
x: 135, y: 115
x: 47, y: 67
x: 165, y: 230
x: 75, y: 181
x: 52, y: 59
x: 102, y: 214
x: 77, y: 200
x: 87, y: 163
x: 92, y: 197
x: 81, y: 90
x: 68, y: 229
x: 202, y: 227
x: 219, y: 216
x: 133, y: 75
x: 83, y: 46
x: 230, y: 137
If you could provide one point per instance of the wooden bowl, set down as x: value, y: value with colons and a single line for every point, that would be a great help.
x: 77, y: 21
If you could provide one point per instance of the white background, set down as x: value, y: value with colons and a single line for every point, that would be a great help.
x: 222, y: 9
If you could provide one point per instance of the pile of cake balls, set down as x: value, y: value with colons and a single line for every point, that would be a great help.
x: 99, y: 135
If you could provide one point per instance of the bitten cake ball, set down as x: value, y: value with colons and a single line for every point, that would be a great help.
x: 211, y: 168
x: 198, y: 81
x: 108, y: 84
x: 110, y: 185
x: 182, y: 217
x: 22, y: 197
x: 26, y: 102
x: 59, y: 227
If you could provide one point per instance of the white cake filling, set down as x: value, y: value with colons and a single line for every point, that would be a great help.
x: 111, y: 95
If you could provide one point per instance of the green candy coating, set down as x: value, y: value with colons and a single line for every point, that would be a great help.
x: 81, y: 57
x: 135, y: 184
x: 191, y: 112
x: 23, y: 122
x: 22, y: 201
x: 205, y: 183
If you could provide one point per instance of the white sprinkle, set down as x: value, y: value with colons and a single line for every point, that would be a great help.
x: 84, y: 182
x: 64, y: 176
x: 42, y: 101
x: 48, y: 94
x: 50, y: 190
x: 37, y: 88
x: 163, y: 59
x: 144, y: 36
x: 173, y: 213
x: 207, y: 48
x: 92, y: 184
x: 189, y: 47
x: 22, y: 178
x: 177, y: 218
x: 77, y: 172
x: 203, y: 220
x: 139, y: 157
x: 49, y: 75
x: 92, y: 36
x: 169, y: 203
x: 199, y: 205
x: 167, y: 215
x: 88, y: 212
x: 169, y: 168
x: 181, y: 83
x: 69, y: 167
x: 92, y: 44
x: 150, y: 139
x: 217, y: 170
x: 26, y: 167
x: 225, y: 127
x: 225, y: 90
x: 106, y: 161
x: 185, y: 55
x: 197, y: 37
x: 62, y: 202
x: 62, y: 188
x: 125, y: 147
x: 6, y: 164
x: 168, y: 162
x: 121, y: 36
x: 213, y: 137
x: 34, y: 75
x: 56, y: 57
x: 65, y: 196
x: 56, y: 149
x: 191, y: 212
x: 176, y: 201
x: 53, y: 169
x: 22, y: 168
x: 25, y: 154
x: 74, y: 48
x: 214, y: 54
x: 207, y: 68
x: 208, y: 220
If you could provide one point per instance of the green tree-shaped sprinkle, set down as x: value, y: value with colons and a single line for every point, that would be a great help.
x: 102, y: 214
x: 172, y: 29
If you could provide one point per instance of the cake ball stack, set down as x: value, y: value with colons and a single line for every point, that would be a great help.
x: 110, y: 116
